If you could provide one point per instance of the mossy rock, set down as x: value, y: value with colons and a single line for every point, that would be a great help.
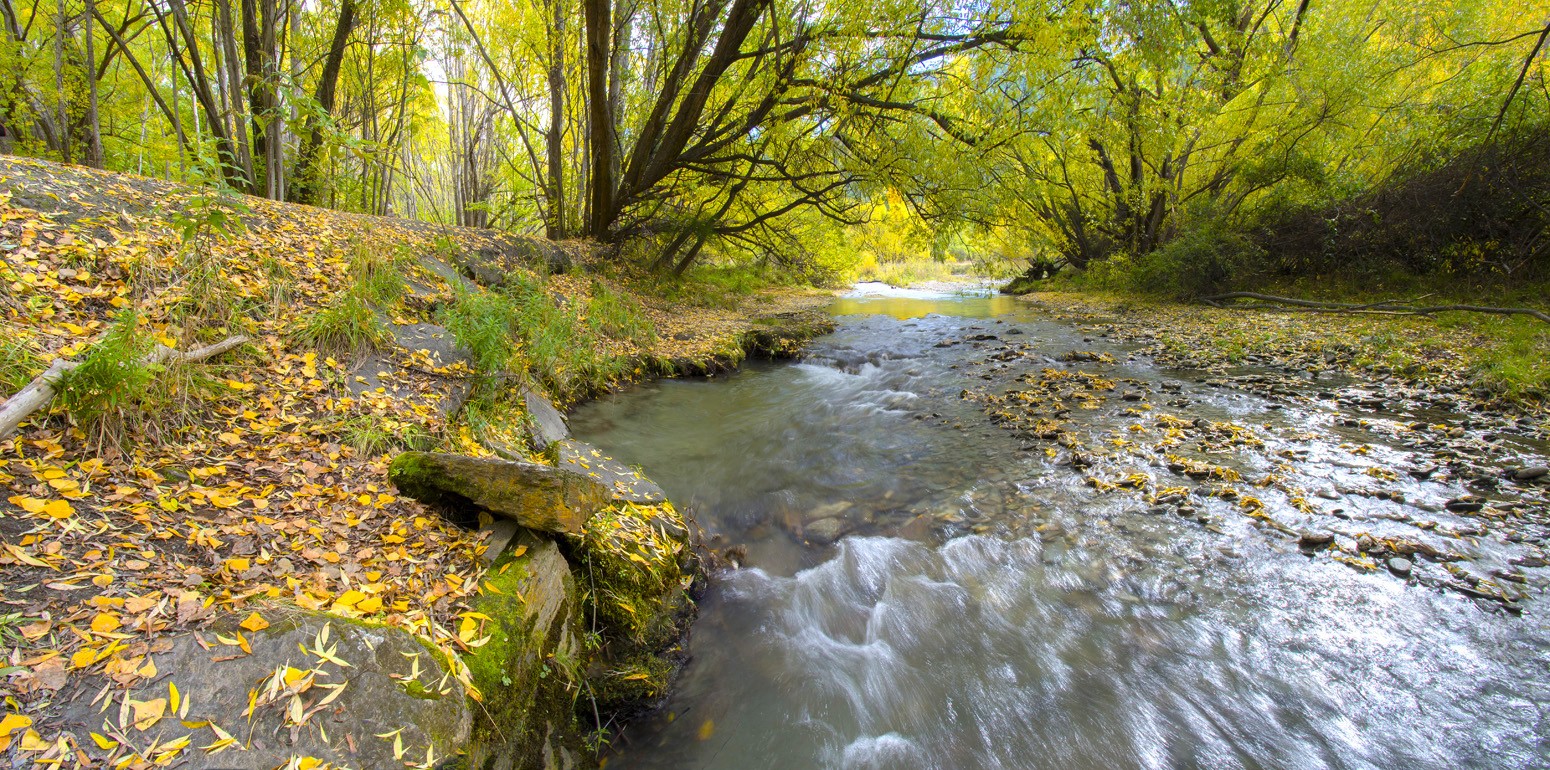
x: 535, y: 496
x: 528, y: 672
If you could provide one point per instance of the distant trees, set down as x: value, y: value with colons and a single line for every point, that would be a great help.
x: 681, y: 128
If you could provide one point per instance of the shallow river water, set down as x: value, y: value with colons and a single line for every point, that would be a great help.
x: 988, y: 605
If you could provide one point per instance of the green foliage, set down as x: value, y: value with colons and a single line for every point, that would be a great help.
x: 484, y: 323
x: 112, y: 377
x: 613, y: 314
x: 564, y: 344
x: 378, y: 277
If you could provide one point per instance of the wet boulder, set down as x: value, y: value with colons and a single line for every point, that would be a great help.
x: 535, y: 496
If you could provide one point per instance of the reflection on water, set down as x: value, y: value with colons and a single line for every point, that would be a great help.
x: 984, y: 608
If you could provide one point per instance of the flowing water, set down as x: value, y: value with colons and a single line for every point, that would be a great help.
x: 987, y: 606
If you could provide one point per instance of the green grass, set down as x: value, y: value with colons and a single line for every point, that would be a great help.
x: 374, y: 435
x: 19, y: 363
x: 906, y: 274
x: 713, y: 285
x: 523, y: 328
x: 347, y: 326
x: 378, y: 278
x: 616, y: 315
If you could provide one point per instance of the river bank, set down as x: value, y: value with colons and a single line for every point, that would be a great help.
x: 172, y: 530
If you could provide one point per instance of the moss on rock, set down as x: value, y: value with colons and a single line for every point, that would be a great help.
x: 525, y: 671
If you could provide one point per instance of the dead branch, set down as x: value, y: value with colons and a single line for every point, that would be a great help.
x: 42, y: 389
x: 1389, y: 307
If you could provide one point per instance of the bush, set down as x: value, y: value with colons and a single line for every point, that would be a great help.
x: 1202, y: 261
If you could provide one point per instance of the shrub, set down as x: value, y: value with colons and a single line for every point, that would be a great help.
x: 111, y: 380
x: 1201, y: 261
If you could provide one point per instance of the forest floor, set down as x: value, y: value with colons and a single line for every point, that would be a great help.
x: 152, y: 499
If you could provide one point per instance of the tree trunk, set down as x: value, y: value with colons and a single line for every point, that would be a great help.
x: 93, y: 123
x: 555, y: 136
x: 599, y: 21
x: 305, y: 187
x: 59, y: 83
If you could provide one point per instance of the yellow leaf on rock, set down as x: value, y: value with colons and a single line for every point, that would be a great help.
x: 148, y: 712
x: 255, y: 622
x: 369, y: 604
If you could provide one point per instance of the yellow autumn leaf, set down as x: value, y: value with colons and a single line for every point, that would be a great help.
x: 147, y: 712
x: 105, y: 623
x: 255, y: 622
x: 13, y: 722
x: 369, y: 604
x: 350, y: 598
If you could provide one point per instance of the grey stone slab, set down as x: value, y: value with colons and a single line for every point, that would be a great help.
x: 622, y: 481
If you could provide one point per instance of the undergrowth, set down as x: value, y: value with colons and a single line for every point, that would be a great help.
x: 523, y: 328
x: 349, y: 324
x: 19, y: 362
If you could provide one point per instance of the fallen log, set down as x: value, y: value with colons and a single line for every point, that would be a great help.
x: 1388, y: 307
x: 42, y: 389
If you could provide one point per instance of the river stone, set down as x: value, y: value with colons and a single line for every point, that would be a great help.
x: 1530, y: 474
x: 1312, y: 540
x: 1400, y: 567
x: 535, y: 496
x: 1463, y: 505
x: 427, y: 710
x: 548, y: 425
x: 823, y: 531
x: 621, y: 481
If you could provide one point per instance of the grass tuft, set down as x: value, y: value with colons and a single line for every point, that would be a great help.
x: 348, y: 326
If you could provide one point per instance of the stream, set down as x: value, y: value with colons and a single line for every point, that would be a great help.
x: 931, y: 578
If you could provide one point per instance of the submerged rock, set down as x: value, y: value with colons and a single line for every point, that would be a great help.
x: 1314, y: 540
x: 824, y: 531
x: 1531, y: 473
x: 535, y: 496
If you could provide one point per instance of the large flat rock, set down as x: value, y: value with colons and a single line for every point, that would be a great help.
x: 621, y: 481
x: 535, y: 496
x: 391, y: 686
